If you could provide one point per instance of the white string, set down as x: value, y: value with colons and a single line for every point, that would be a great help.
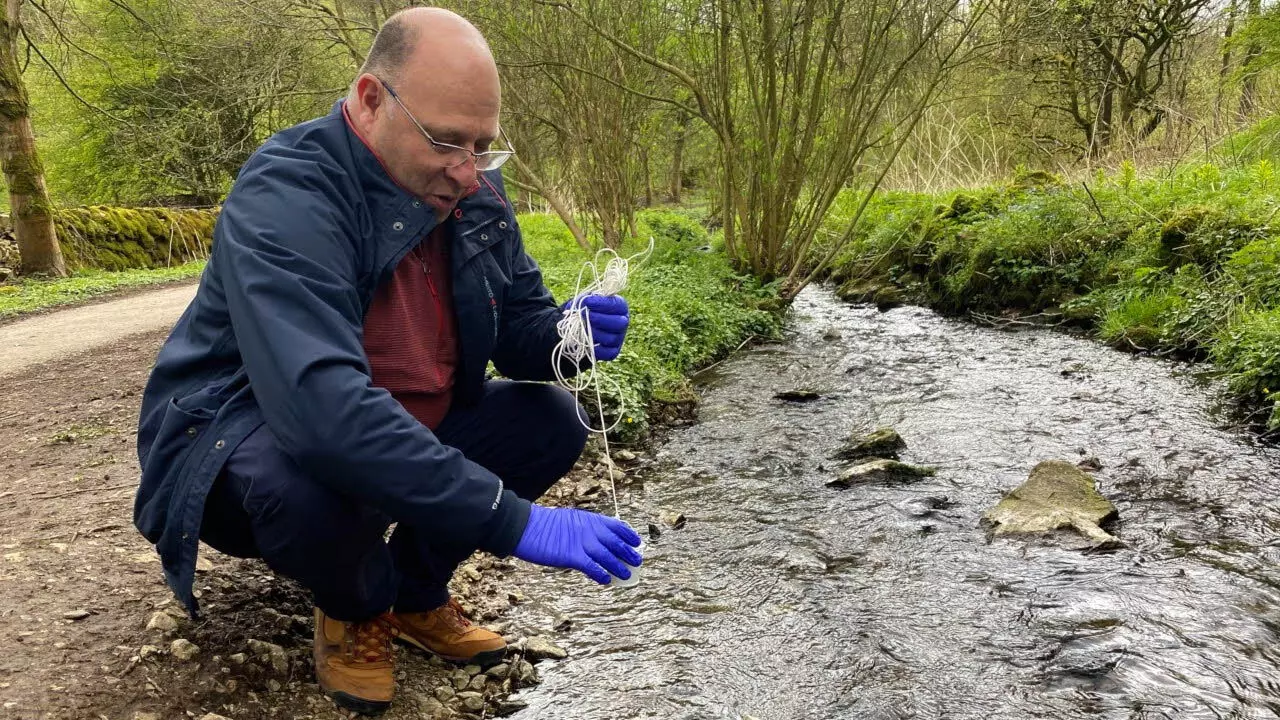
x: 577, y: 342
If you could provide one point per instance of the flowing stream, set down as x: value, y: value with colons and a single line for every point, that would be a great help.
x: 782, y: 598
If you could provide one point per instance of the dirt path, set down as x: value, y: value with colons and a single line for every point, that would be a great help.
x: 29, y: 342
x: 87, y: 625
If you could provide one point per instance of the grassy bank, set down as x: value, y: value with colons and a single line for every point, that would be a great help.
x: 27, y: 295
x: 1185, y: 264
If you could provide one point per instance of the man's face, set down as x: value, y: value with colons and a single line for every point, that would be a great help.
x: 451, y: 112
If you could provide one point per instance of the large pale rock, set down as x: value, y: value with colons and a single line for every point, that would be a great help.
x: 1057, y: 496
x: 879, y: 471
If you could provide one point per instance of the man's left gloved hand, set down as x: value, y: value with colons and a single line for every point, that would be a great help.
x: 608, y: 316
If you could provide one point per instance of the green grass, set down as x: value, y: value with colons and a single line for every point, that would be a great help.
x: 1185, y: 264
x: 27, y: 295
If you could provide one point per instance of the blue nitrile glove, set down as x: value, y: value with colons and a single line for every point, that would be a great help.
x: 609, y: 317
x: 568, y: 538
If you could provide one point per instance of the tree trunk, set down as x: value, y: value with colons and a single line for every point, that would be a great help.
x: 648, y: 178
x: 536, y: 185
x: 1249, y: 85
x: 677, y: 158
x: 32, y: 215
x: 1224, y: 72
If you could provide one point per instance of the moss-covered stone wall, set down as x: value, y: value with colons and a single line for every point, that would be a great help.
x: 117, y: 238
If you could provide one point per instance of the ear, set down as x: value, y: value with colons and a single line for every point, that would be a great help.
x: 367, y: 100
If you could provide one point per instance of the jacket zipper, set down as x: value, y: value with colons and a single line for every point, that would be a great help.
x: 426, y: 270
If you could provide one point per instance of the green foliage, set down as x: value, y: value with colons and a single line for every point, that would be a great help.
x: 676, y: 227
x: 1205, y: 235
x: 181, y: 95
x: 549, y: 240
x: 1141, y: 321
x: 688, y: 308
x: 1260, y: 141
x: 1249, y: 350
x: 26, y: 295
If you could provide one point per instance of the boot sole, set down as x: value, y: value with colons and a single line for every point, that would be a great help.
x: 357, y: 704
x: 485, y: 659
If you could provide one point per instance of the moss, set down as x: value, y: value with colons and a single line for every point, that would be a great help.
x: 1205, y: 235
x: 882, y: 443
x: 112, y: 238
x: 884, y: 295
x: 970, y: 203
x: 1030, y: 179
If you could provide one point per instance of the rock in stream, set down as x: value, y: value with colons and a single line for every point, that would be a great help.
x: 1056, y: 496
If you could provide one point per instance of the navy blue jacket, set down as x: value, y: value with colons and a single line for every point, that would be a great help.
x: 311, y: 227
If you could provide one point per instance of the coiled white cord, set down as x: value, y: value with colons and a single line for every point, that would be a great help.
x: 577, y: 342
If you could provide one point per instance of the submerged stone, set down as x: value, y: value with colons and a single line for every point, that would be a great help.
x: 881, y: 443
x: 1057, y: 496
x: 880, y: 471
x: 800, y: 395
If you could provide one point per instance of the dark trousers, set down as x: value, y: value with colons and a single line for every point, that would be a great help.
x: 264, y: 505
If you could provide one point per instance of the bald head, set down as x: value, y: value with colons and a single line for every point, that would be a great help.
x: 419, y: 44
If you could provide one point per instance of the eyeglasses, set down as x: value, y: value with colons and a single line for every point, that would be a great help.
x: 455, y: 155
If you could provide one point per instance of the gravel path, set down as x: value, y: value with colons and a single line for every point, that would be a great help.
x: 30, y: 342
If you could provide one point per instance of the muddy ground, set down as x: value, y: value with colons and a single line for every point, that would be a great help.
x: 79, y: 587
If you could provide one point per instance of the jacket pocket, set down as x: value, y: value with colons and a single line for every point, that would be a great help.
x: 165, y: 463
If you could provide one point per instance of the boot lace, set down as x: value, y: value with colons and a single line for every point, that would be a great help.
x: 370, y: 641
x: 452, y: 615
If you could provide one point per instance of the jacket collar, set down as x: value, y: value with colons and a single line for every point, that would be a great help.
x: 482, y: 206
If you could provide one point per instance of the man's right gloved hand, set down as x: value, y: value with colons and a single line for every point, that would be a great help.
x: 567, y: 538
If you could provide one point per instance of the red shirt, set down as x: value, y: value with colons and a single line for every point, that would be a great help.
x: 410, y: 333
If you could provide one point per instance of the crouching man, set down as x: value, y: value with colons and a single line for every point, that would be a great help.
x: 328, y: 379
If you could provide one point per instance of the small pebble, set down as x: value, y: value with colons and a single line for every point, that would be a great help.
x: 76, y: 614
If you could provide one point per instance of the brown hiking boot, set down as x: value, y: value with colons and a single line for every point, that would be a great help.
x: 446, y: 632
x: 353, y: 662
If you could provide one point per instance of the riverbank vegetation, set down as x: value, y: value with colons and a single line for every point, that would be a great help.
x: 1184, y: 263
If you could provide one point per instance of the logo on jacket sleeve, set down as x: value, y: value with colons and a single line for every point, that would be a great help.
x: 493, y: 303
